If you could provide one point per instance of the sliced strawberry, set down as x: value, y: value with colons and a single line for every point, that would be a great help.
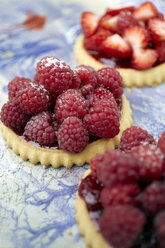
x: 160, y: 48
x: 89, y: 23
x: 157, y: 29
x: 94, y: 42
x: 114, y: 12
x: 125, y: 20
x: 145, y: 11
x: 137, y: 37
x: 109, y: 22
x: 144, y: 58
x: 116, y: 46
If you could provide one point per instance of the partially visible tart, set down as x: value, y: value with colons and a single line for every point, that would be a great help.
x: 58, y: 121
x: 130, y: 39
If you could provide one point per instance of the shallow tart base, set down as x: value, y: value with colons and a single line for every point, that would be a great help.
x: 58, y: 158
x: 92, y: 237
x: 131, y: 77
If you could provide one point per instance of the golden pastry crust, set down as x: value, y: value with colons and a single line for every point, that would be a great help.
x: 57, y: 158
x: 92, y: 237
x: 131, y: 77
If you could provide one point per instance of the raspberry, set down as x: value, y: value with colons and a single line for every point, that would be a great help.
x: 152, y: 162
x: 86, y: 75
x: 75, y: 81
x: 90, y: 190
x: 121, y: 225
x: 34, y: 99
x: 100, y: 94
x: 118, y: 168
x: 111, y: 79
x: 125, y: 20
x: 153, y: 198
x: 42, y: 128
x: 18, y: 83
x: 161, y: 142
x: 122, y: 195
x: 103, y: 119
x: 135, y: 136
x: 72, y: 135
x: 95, y: 162
x: 12, y: 115
x: 159, y: 225
x: 70, y: 103
x: 54, y: 74
x: 87, y: 90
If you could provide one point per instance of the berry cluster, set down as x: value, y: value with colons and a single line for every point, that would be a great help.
x: 126, y: 187
x: 132, y: 34
x: 65, y: 105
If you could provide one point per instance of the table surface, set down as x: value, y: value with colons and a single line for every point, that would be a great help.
x: 36, y: 204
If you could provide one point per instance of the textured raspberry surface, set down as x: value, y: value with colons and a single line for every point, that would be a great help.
x: 86, y: 75
x: 12, y: 115
x: 135, y: 136
x: 121, y: 225
x: 54, y: 74
x: 152, y: 160
x: 118, y: 168
x: 153, y: 198
x: 95, y: 163
x: 87, y: 90
x: 42, y: 128
x: 100, y: 94
x: 34, y: 99
x: 160, y: 229
x: 18, y: 83
x: 75, y: 84
x: 70, y: 103
x: 161, y: 142
x: 103, y: 119
x: 72, y: 135
x: 90, y: 190
x: 111, y: 79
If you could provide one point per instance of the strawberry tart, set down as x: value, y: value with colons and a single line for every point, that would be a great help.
x: 121, y: 200
x: 130, y: 39
x: 65, y: 116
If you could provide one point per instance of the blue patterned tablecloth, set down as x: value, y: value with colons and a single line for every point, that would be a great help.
x: 36, y: 204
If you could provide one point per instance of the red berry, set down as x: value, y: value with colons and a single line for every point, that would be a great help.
x: 94, y: 163
x: 103, y: 119
x: 153, y: 198
x: 75, y: 81
x: 118, y: 168
x: 121, y: 225
x: 114, y: 12
x: 42, y: 128
x: 72, y: 135
x: 160, y: 48
x: 13, y: 116
x: 18, y: 83
x: 87, y: 90
x: 151, y: 158
x: 109, y: 22
x: 86, y: 75
x: 156, y: 28
x: 111, y: 79
x: 161, y: 142
x: 120, y: 194
x: 89, y: 22
x: 135, y: 136
x: 100, y: 94
x: 90, y: 190
x: 145, y: 11
x: 70, y: 103
x: 54, y: 74
x: 125, y: 20
x: 159, y: 224
x: 34, y: 99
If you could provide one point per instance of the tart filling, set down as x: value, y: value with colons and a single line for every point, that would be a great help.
x: 130, y: 39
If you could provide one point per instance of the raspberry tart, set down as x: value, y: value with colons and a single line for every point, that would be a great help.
x: 65, y: 116
x: 130, y: 39
x: 121, y: 200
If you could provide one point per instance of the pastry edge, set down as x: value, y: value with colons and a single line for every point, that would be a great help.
x: 92, y: 237
x: 131, y: 77
x: 58, y: 158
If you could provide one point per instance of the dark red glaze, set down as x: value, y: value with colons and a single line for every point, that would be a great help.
x: 34, y: 21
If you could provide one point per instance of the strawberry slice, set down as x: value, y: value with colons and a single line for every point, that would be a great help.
x: 160, y: 48
x: 143, y: 59
x: 89, y: 23
x: 145, y: 11
x: 137, y: 37
x: 109, y: 22
x: 116, y: 46
x: 157, y: 29
x: 94, y: 42
x: 125, y: 20
x: 114, y: 12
